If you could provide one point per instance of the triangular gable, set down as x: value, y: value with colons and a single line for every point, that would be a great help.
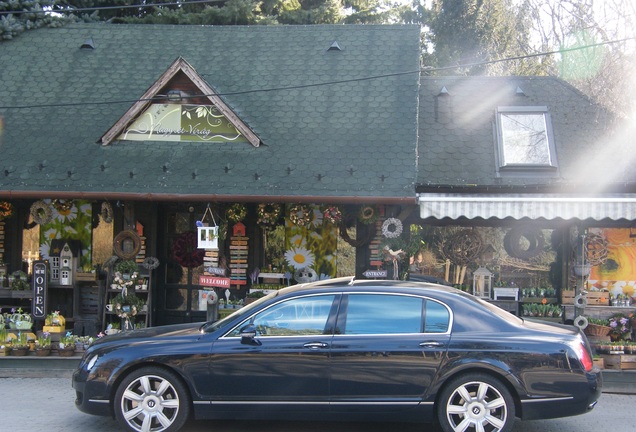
x: 153, y: 105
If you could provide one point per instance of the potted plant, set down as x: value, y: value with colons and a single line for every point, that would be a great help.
x: 620, y: 327
x: 54, y: 322
x: 5, y: 347
x: 66, y: 347
x: 43, y: 344
x: 20, y: 345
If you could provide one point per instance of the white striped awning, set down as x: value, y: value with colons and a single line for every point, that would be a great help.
x: 532, y: 206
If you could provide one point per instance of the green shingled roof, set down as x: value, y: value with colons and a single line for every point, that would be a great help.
x: 325, y: 133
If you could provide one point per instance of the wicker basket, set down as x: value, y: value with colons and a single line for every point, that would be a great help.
x: 597, y: 330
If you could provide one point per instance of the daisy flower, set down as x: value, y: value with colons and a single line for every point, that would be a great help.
x: 299, y: 257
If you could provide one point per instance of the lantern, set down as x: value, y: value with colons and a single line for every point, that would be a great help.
x: 482, y: 282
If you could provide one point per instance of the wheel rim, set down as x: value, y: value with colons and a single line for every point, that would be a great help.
x: 150, y: 403
x: 476, y: 406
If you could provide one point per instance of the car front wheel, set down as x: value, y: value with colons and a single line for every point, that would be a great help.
x: 476, y: 402
x: 151, y: 400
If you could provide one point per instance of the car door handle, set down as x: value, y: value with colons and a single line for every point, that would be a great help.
x: 315, y: 345
x: 431, y: 344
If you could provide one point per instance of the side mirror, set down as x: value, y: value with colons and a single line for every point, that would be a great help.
x: 248, y: 335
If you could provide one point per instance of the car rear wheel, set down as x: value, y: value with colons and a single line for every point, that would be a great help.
x: 151, y: 400
x: 476, y: 403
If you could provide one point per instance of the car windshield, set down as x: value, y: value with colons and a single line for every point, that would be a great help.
x: 212, y: 326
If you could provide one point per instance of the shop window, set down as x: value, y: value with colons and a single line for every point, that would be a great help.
x: 525, y: 141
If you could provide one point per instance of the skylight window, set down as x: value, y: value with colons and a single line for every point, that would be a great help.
x: 524, y: 136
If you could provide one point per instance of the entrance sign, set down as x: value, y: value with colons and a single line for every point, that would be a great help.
x: 40, y: 289
x: 375, y: 274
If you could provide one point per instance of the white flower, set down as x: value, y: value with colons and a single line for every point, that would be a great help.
x: 299, y: 258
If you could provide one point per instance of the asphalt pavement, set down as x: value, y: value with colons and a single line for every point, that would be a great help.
x: 47, y: 404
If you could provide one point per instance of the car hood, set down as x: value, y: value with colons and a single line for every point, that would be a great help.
x: 169, y: 331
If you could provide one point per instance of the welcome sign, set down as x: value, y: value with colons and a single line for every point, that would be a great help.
x: 173, y: 122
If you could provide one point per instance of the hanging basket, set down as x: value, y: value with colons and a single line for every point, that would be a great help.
x: 597, y: 330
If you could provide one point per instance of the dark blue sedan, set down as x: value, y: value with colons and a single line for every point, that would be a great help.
x: 344, y: 349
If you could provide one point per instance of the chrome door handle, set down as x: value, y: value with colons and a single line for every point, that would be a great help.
x: 430, y: 344
x: 315, y: 345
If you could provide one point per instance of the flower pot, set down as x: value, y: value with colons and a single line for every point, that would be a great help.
x: 66, y: 352
x: 20, y: 352
x: 42, y: 352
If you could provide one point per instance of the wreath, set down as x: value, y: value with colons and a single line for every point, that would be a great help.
x: 150, y: 263
x: 236, y: 212
x: 392, y: 228
x: 333, y: 215
x: 41, y: 212
x: 300, y: 215
x: 122, y: 239
x: 514, y: 245
x: 107, y: 212
x: 368, y: 214
x: 6, y: 210
x: 62, y: 206
x: 268, y: 214
x: 126, y: 305
x: 185, y: 250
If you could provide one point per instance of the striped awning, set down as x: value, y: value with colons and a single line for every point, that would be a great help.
x: 532, y: 206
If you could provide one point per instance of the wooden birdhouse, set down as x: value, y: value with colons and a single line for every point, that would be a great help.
x: 238, y: 230
x: 482, y: 282
x: 64, y: 256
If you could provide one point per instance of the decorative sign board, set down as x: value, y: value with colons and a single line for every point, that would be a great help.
x: 40, y: 287
x: 375, y: 274
x: 213, y: 281
x: 217, y: 271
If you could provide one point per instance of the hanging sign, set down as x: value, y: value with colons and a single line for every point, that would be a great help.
x: 213, y: 281
x: 217, y: 271
x: 40, y: 288
x: 375, y: 274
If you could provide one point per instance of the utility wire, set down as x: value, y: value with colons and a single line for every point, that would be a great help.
x: 304, y: 86
x: 71, y: 9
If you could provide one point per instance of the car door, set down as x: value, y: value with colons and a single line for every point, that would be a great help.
x: 386, y: 351
x: 286, y: 363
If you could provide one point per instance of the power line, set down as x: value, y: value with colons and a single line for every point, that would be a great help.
x: 304, y: 86
x: 98, y: 8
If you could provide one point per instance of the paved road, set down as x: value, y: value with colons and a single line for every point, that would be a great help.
x: 46, y: 404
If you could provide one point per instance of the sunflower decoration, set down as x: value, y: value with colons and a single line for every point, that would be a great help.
x: 6, y: 210
x: 236, y: 212
x: 300, y: 215
x: 333, y: 215
x: 368, y: 214
x: 268, y: 214
x: 299, y: 257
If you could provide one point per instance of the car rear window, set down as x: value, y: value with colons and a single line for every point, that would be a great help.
x: 383, y: 314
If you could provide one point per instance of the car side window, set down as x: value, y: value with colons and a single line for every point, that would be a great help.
x: 382, y: 314
x: 294, y: 317
x: 436, y: 318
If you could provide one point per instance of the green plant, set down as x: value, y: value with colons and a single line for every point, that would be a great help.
x: 20, y: 342
x: 126, y: 266
x: 256, y: 294
x: 598, y: 321
x: 68, y: 340
x: 44, y: 340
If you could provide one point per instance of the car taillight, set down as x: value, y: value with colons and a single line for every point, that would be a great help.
x: 584, y: 356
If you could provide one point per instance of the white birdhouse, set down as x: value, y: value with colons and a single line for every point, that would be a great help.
x: 482, y: 282
x: 67, y: 265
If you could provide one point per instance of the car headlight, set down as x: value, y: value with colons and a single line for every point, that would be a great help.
x: 91, y: 362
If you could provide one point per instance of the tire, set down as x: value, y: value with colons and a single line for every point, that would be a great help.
x: 151, y: 399
x: 491, y: 407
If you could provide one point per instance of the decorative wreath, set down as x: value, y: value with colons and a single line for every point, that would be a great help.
x: 368, y: 214
x: 581, y: 322
x: 333, y: 215
x: 185, y: 250
x: 300, y: 215
x: 62, y: 206
x: 514, y: 246
x: 126, y: 306
x: 236, y: 212
x: 6, y: 210
x: 41, y: 212
x: 107, y: 212
x: 150, y: 263
x: 392, y: 228
x: 268, y: 214
x: 305, y: 274
x: 122, y: 239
